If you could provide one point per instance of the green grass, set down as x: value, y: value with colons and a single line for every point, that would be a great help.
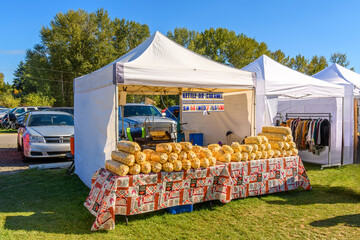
x: 48, y: 204
x: 8, y: 131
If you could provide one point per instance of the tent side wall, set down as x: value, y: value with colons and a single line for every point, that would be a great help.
x: 237, y: 117
x: 319, y: 105
x: 94, y: 130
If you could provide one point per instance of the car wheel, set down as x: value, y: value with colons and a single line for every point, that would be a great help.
x: 18, y: 145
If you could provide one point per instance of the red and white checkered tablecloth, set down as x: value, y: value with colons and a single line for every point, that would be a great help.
x: 112, y: 195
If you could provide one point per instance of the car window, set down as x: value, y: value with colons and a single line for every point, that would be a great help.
x: 130, y: 111
x: 20, y: 110
x: 50, y: 120
x: 42, y: 108
x: 31, y: 109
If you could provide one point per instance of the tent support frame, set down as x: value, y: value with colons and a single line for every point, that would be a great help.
x: 314, y: 116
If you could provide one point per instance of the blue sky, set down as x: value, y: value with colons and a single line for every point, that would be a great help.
x: 306, y: 27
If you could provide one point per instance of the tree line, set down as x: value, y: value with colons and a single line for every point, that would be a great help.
x: 76, y: 43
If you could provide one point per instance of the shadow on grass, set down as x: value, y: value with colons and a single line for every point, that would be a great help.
x: 319, y: 195
x: 352, y: 220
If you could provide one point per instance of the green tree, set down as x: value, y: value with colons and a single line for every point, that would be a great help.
x: 37, y: 99
x: 316, y: 64
x: 299, y: 63
x: 339, y: 58
x: 280, y: 57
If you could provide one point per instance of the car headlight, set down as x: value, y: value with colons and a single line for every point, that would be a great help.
x: 38, y: 139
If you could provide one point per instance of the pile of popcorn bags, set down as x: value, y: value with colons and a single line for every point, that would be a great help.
x: 129, y: 159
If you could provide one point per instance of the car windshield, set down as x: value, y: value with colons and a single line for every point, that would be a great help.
x: 130, y: 111
x: 51, y: 120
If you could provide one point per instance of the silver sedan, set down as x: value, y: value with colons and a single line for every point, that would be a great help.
x: 45, y: 134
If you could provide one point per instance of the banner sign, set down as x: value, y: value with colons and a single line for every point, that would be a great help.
x: 201, y: 107
x: 202, y: 96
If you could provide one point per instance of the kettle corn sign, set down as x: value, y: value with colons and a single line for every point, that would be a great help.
x: 203, y: 101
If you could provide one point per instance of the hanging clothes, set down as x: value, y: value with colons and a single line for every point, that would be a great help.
x: 312, y: 135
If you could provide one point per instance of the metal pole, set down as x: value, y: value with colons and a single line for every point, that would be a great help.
x: 116, y: 113
x: 254, y: 113
x: 329, y: 152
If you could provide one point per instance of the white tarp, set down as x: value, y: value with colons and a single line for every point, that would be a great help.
x: 276, y: 80
x: 157, y: 66
x: 342, y: 76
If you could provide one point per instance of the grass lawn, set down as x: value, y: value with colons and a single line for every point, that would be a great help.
x: 48, y: 204
x: 8, y: 131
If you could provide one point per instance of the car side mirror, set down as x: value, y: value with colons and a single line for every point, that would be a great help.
x: 163, y: 114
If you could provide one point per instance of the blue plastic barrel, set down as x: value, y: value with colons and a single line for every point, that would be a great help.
x: 196, y: 138
x: 181, y: 137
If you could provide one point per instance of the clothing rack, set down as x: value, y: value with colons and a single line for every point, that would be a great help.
x: 313, y: 116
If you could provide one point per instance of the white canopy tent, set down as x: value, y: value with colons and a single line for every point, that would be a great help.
x: 350, y: 80
x: 157, y: 66
x: 284, y: 90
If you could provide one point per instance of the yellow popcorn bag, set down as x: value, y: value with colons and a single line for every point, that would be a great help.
x: 156, y: 167
x: 253, y: 140
x: 292, y: 145
x: 246, y: 148
x: 264, y: 155
x: 226, y: 157
x: 212, y: 161
x: 186, y: 165
x: 195, y: 163
x: 123, y: 157
x: 283, y: 153
x: 204, y: 162
x: 274, y: 136
x: 236, y: 157
x: 227, y: 149
x: 277, y: 153
x: 258, y: 155
x: 148, y: 153
x: 245, y: 156
x: 294, y: 152
x: 205, y: 153
x: 116, y: 167
x: 186, y: 146
x: 270, y: 153
x: 268, y: 146
x: 140, y: 157
x: 252, y: 156
x: 255, y: 147
x: 183, y: 156
x: 145, y: 167
x: 135, y: 169
x: 177, y: 165
x: 191, y: 155
x: 168, y: 167
x: 262, y: 147
x: 163, y: 148
x: 276, y: 145
x: 264, y: 139
x: 273, y: 129
x: 288, y: 153
x: 289, y: 138
x: 286, y: 146
x: 176, y: 147
x: 159, y: 157
x: 129, y: 147
x: 196, y: 149
x: 236, y: 147
x: 213, y: 146
x: 173, y: 157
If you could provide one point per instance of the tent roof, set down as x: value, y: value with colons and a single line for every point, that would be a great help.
x: 283, y: 81
x: 337, y: 74
x: 163, y: 66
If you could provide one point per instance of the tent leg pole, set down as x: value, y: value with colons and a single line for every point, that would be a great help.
x: 254, y: 113
x: 116, y: 113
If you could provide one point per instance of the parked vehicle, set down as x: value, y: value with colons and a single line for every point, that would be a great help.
x: 3, y: 112
x: 140, y: 119
x: 44, y: 134
x: 62, y: 109
x: 173, y: 112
